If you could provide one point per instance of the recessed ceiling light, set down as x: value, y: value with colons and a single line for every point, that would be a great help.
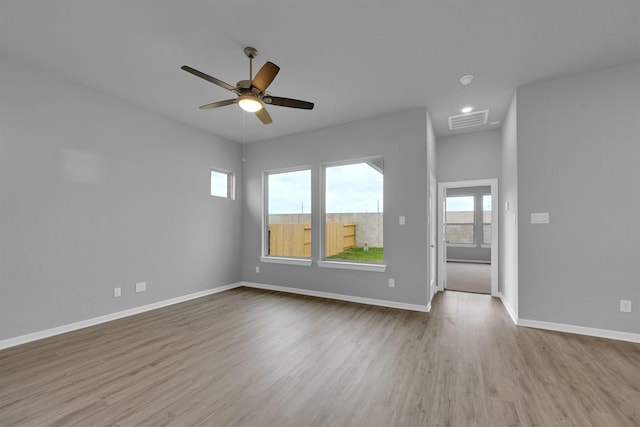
x: 466, y: 80
x: 466, y: 110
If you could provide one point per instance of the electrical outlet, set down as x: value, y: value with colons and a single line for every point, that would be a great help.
x: 392, y: 283
x: 117, y: 292
x: 141, y: 287
x: 625, y: 306
x: 257, y: 269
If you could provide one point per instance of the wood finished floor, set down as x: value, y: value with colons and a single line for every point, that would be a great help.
x: 248, y: 357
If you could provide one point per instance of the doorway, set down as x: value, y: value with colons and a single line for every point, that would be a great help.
x: 433, y: 242
x: 468, y: 236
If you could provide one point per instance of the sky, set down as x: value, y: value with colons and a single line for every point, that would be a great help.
x: 466, y: 203
x: 290, y: 192
x: 219, y: 184
x: 349, y: 188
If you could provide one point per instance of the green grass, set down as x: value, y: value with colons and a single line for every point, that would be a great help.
x: 357, y: 254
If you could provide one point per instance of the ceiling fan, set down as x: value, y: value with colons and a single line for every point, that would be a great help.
x: 252, y: 93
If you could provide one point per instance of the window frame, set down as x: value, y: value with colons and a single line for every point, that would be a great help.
x: 231, y: 183
x: 483, y: 243
x: 322, y: 241
x: 274, y: 259
x: 460, y: 244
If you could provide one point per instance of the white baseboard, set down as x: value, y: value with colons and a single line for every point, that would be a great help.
x: 580, y: 330
x: 572, y: 329
x: 23, y: 339
x: 341, y: 297
x: 508, y: 307
x: 468, y: 261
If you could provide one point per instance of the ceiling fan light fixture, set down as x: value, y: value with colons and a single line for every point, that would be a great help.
x: 250, y: 103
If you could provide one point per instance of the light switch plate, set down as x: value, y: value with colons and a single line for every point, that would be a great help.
x: 540, y: 218
x: 401, y: 220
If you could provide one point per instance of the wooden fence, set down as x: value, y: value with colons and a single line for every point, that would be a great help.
x: 294, y: 240
x: 290, y: 240
x: 340, y: 236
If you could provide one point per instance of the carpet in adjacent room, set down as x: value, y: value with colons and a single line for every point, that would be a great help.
x: 469, y: 277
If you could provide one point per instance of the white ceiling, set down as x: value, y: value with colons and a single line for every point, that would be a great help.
x: 354, y: 59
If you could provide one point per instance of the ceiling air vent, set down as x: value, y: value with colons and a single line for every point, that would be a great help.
x: 461, y: 121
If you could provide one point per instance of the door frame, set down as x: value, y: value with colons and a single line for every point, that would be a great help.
x: 432, y: 226
x: 442, y: 244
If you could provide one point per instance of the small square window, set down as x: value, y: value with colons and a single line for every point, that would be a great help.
x: 222, y: 184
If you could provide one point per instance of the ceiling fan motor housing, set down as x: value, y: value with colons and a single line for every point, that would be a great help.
x: 243, y: 86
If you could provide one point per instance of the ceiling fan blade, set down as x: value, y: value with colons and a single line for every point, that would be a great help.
x: 264, y: 116
x: 208, y: 78
x: 288, y: 102
x: 218, y: 104
x: 265, y: 76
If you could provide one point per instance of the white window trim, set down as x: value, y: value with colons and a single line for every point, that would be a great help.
x: 231, y: 183
x: 265, y: 218
x: 350, y: 265
x: 284, y: 260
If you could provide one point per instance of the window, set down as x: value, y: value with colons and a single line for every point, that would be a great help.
x: 353, y: 212
x: 288, y: 214
x: 222, y: 184
x: 460, y: 219
x: 486, y: 219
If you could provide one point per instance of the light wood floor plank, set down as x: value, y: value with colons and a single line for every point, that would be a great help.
x: 249, y: 357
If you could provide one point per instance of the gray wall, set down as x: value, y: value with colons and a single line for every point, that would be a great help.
x: 476, y: 253
x: 402, y: 139
x: 465, y: 157
x: 508, y: 209
x: 469, y: 156
x: 96, y: 193
x: 579, y: 160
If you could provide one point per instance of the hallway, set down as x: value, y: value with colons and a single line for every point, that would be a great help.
x: 469, y: 277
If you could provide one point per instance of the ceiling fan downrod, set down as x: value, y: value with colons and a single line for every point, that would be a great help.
x: 251, y: 53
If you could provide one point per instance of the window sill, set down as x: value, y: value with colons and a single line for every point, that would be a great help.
x: 291, y: 261
x: 380, y: 268
x: 461, y: 245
